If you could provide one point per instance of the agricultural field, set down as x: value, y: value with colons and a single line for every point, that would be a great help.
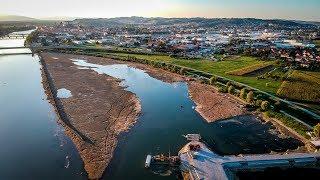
x: 301, y: 86
x: 317, y: 43
x: 219, y: 68
x: 252, y: 70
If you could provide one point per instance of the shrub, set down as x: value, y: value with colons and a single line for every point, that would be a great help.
x: 250, y: 97
x: 243, y: 93
x: 316, y: 130
x: 231, y: 89
x: 265, y: 105
x: 213, y: 79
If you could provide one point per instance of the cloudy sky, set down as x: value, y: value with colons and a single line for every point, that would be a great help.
x: 284, y: 9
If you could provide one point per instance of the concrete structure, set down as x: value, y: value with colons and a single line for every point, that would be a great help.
x: 199, y: 162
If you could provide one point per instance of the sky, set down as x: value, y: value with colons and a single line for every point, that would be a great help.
x: 265, y: 9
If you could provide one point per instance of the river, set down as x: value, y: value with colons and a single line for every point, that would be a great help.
x: 33, y: 144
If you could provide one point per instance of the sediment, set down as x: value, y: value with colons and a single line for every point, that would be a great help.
x: 97, y: 112
x: 213, y: 105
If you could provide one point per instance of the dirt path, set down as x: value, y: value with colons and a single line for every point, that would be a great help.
x: 97, y: 112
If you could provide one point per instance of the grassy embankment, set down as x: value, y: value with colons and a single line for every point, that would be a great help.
x: 219, y: 68
x: 301, y: 86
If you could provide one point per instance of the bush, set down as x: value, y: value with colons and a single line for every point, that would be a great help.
x: 316, y: 130
x: 243, y: 93
x: 213, y: 79
x: 231, y: 89
x: 250, y: 97
x: 265, y: 105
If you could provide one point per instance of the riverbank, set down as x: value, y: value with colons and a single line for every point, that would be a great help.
x: 210, y: 104
x: 97, y: 112
x: 213, y: 105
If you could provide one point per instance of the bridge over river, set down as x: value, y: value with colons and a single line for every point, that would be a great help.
x: 14, y: 36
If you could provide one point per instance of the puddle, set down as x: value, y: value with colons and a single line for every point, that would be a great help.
x: 64, y: 93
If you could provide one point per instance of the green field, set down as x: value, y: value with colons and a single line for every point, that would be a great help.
x: 219, y: 68
x: 301, y: 85
x: 317, y: 43
x: 250, y: 69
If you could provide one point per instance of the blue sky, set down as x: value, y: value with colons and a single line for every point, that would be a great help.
x: 267, y: 9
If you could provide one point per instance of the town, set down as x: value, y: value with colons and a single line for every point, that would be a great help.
x: 295, y: 44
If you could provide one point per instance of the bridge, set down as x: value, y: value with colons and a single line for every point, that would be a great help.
x: 14, y: 36
x: 199, y: 162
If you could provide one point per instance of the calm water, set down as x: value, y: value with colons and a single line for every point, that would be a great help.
x: 167, y: 114
x: 33, y: 145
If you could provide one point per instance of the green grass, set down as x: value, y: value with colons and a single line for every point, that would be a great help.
x: 302, y: 86
x: 289, y: 122
x: 219, y: 68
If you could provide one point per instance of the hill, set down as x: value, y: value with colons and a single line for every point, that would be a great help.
x: 200, y: 22
x: 15, y: 18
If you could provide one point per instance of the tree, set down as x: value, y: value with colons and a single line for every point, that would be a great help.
x: 182, y: 71
x: 316, y: 130
x: 265, y: 105
x: 222, y: 89
x: 243, y: 93
x: 231, y: 89
x: 213, y: 79
x: 228, y: 84
x: 250, y: 97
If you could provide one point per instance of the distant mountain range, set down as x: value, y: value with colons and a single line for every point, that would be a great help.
x: 201, y: 22
x: 14, y: 18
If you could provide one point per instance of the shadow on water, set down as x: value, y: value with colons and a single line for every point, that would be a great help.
x: 167, y: 114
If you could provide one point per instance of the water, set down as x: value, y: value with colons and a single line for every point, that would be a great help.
x: 33, y: 144
x: 64, y: 93
x: 167, y: 114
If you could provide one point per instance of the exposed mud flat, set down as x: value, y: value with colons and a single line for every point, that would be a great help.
x: 98, y: 110
x: 213, y: 105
